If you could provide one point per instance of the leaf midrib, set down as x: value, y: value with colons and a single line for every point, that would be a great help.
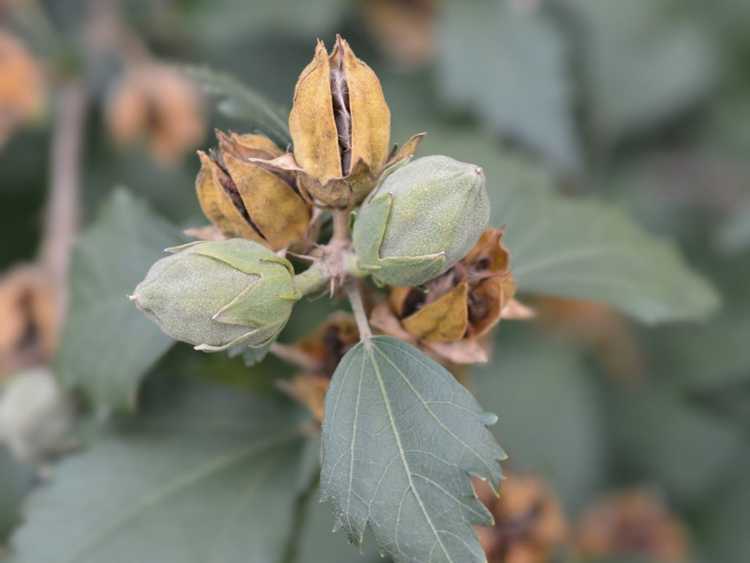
x: 369, y: 347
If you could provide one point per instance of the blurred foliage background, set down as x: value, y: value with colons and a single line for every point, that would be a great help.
x: 642, y: 104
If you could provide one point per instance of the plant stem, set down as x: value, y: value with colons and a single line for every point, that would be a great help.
x: 341, y: 225
x: 61, y: 223
x: 292, y: 355
x: 358, y: 308
x: 312, y: 280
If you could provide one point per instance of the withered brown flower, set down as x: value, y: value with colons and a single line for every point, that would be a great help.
x: 404, y: 29
x: 340, y: 126
x: 595, y: 326
x: 23, y: 92
x: 451, y: 313
x: 530, y: 526
x: 155, y: 102
x: 29, y: 331
x: 324, y: 349
x: 243, y: 199
x: 635, y: 522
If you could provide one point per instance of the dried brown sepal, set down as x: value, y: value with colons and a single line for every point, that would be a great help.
x: 324, y: 348
x: 632, y: 523
x: 208, y: 232
x: 248, y: 200
x: 308, y: 389
x: 155, y: 102
x: 444, y: 320
x: 530, y: 526
x: 23, y: 92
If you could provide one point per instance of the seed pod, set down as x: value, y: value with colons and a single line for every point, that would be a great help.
x: 155, y: 102
x: 635, y: 524
x: 23, y: 92
x: 422, y: 219
x: 529, y: 524
x: 219, y: 294
x: 245, y: 200
x: 340, y: 126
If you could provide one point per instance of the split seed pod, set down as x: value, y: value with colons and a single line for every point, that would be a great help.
x: 451, y: 315
x: 218, y: 295
x: 243, y: 199
x: 340, y: 125
x: 422, y: 219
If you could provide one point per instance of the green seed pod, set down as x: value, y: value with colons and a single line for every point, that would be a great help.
x: 422, y: 219
x: 219, y: 294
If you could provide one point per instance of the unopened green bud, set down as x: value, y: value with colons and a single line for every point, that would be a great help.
x: 422, y: 219
x: 219, y: 294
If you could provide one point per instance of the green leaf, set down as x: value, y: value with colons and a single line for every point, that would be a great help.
x: 318, y: 542
x: 400, y: 439
x: 508, y: 63
x: 642, y: 65
x: 687, y: 448
x: 726, y: 539
x: 224, y: 21
x: 734, y: 234
x: 15, y: 482
x: 585, y: 249
x: 213, y: 478
x: 239, y: 101
x: 108, y: 345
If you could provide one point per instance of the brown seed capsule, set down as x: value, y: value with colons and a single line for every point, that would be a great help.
x: 529, y: 523
x: 22, y: 89
x: 245, y: 200
x: 452, y: 313
x: 155, y: 102
x: 340, y: 127
x: 634, y: 523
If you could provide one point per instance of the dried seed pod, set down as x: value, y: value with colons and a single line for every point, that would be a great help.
x: 156, y: 102
x: 29, y: 332
x: 403, y: 29
x: 632, y: 523
x: 421, y: 220
x: 23, y: 93
x: 244, y: 199
x: 530, y: 526
x: 218, y: 295
x: 340, y: 126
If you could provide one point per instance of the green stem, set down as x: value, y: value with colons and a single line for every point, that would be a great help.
x: 318, y: 276
x: 358, y: 308
x: 312, y: 280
